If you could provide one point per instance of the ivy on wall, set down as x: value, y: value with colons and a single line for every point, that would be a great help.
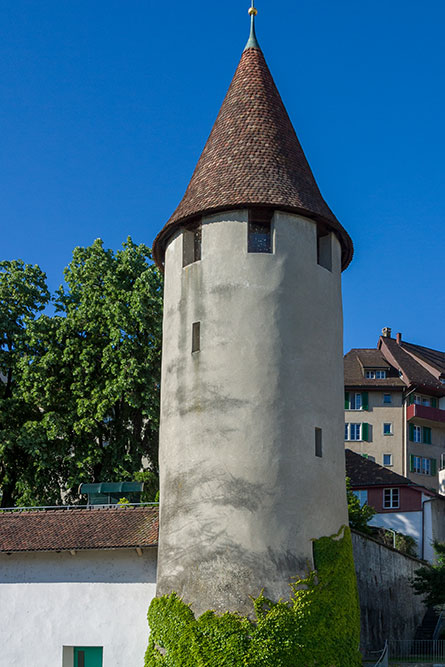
x: 319, y: 626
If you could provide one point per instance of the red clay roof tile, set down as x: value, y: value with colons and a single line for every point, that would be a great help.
x: 78, y: 529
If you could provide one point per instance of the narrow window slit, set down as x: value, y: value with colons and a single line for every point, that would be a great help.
x: 318, y: 442
x: 196, y: 337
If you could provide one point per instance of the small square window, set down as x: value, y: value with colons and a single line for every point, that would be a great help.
x: 387, y: 459
x: 387, y: 429
x: 390, y: 499
x: 318, y: 442
x: 387, y: 398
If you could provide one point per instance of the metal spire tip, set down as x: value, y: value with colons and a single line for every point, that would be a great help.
x: 253, y: 42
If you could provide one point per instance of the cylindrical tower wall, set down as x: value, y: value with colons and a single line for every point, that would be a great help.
x: 242, y: 490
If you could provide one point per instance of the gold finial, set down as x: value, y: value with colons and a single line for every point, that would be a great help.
x: 253, y: 11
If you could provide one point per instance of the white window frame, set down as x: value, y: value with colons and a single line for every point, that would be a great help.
x: 417, y: 433
x: 426, y: 466
x: 390, y: 399
x: 348, y: 432
x: 391, y: 498
x: 417, y: 464
x: 357, y: 401
x: 390, y: 460
x: 375, y: 375
x: 390, y: 428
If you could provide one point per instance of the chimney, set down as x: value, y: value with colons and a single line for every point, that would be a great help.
x: 399, y: 338
x: 386, y: 332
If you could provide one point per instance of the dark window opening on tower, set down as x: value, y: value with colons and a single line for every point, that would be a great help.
x: 191, y: 245
x: 196, y: 337
x: 324, y: 249
x: 318, y: 442
x: 260, y: 231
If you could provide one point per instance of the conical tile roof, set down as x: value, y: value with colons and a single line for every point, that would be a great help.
x: 252, y: 158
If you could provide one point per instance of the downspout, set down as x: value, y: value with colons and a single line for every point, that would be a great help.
x: 405, y: 433
x: 429, y: 500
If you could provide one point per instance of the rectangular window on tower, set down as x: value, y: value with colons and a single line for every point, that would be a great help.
x: 260, y: 231
x: 318, y: 442
x: 196, y: 337
x: 191, y: 245
x: 324, y: 248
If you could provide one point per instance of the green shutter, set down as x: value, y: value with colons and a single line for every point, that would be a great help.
x: 411, y: 399
x: 434, y: 402
x: 347, y: 402
x: 365, y: 432
x: 365, y: 401
x: 433, y: 467
x: 411, y: 463
x: 427, y: 435
x: 411, y: 432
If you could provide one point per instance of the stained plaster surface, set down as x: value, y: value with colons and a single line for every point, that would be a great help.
x: 242, y: 492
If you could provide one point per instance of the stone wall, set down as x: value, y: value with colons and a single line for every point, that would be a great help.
x: 389, y: 608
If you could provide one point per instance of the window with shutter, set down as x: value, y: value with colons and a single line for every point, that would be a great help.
x: 365, y: 432
x: 365, y: 401
x: 427, y: 435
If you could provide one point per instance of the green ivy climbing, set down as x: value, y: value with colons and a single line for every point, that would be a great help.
x: 319, y: 626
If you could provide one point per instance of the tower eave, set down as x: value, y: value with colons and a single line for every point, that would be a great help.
x: 162, y: 239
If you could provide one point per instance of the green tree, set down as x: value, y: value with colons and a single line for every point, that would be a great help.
x: 23, y: 294
x: 430, y: 580
x: 358, y: 515
x: 93, y: 371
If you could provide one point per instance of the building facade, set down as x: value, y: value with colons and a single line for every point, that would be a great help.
x: 395, y: 407
x: 75, y: 585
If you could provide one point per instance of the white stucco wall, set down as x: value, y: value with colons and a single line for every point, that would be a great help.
x: 97, y: 598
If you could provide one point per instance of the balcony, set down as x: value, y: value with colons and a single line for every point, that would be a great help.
x: 425, y: 412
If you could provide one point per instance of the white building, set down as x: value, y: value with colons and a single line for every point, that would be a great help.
x: 75, y: 586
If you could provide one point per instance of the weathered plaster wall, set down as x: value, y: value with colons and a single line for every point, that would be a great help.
x: 52, y: 600
x: 242, y: 492
x: 389, y: 608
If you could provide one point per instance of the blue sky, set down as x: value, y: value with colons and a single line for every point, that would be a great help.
x: 106, y: 106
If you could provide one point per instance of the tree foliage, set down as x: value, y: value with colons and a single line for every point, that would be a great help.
x: 430, y: 580
x: 318, y: 626
x: 90, y: 375
x: 359, y: 516
x: 23, y: 294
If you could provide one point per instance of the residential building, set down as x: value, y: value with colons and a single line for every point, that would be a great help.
x: 395, y: 407
x: 400, y: 504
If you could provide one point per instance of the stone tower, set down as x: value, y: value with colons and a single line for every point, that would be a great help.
x: 251, y: 440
